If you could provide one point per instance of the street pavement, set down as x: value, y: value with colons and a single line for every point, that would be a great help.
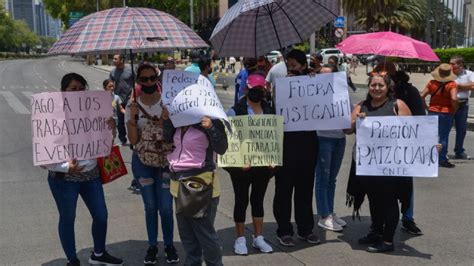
x: 28, y: 215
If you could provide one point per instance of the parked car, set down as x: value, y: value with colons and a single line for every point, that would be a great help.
x: 273, y: 56
x: 328, y: 52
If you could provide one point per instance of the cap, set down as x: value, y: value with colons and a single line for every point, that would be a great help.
x: 255, y: 80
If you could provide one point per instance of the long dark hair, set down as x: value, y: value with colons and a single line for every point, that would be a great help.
x: 388, y: 81
x: 68, y: 78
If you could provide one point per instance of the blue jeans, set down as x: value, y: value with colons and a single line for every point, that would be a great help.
x: 154, y: 185
x: 65, y: 194
x: 445, y: 122
x: 460, y: 122
x: 331, y: 153
x: 408, y: 215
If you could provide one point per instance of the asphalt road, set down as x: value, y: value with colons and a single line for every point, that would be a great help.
x: 28, y: 216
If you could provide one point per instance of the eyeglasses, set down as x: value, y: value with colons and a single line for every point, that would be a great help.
x: 146, y: 79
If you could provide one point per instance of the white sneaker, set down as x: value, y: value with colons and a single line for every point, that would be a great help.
x: 329, y: 224
x: 338, y: 220
x: 260, y: 244
x: 240, y: 246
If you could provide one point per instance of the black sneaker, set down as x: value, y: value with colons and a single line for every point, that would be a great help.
x: 446, y: 164
x: 371, y: 238
x: 381, y: 247
x: 310, y: 238
x: 171, y: 255
x: 462, y: 156
x: 286, y: 241
x: 104, y: 259
x: 150, y: 257
x: 411, y: 228
x: 134, y: 186
x: 74, y: 262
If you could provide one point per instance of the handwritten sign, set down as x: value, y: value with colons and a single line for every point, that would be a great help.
x: 175, y: 81
x: 194, y: 102
x: 313, y: 103
x: 70, y: 125
x: 397, y: 146
x: 254, y: 141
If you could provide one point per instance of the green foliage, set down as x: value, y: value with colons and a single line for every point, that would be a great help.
x: 15, y: 34
x: 445, y: 54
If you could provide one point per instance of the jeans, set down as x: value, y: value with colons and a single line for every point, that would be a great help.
x: 445, y: 122
x: 331, y: 153
x: 460, y: 122
x: 65, y: 194
x: 155, y: 191
x: 122, y: 132
x: 408, y: 215
x: 199, y: 237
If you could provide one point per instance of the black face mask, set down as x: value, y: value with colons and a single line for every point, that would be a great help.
x: 148, y: 89
x: 312, y: 64
x: 255, y: 95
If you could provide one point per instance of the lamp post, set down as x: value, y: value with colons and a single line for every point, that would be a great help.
x: 191, y: 14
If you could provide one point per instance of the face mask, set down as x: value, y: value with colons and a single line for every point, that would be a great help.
x: 312, y: 64
x: 255, y: 95
x: 148, y: 89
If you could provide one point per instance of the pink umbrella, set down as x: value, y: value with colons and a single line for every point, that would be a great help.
x: 387, y: 44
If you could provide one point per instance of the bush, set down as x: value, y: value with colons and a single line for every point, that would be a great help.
x: 445, y: 54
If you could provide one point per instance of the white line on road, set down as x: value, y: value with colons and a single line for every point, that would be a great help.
x: 27, y: 94
x: 14, y: 103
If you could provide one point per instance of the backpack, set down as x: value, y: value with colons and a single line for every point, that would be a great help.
x: 151, y: 147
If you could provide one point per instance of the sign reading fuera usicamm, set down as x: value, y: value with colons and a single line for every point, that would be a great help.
x: 320, y: 102
x: 70, y: 125
x: 397, y: 146
x: 254, y: 141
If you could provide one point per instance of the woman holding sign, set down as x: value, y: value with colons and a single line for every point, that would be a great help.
x: 332, y: 144
x: 383, y: 191
x: 149, y: 164
x: 195, y: 186
x: 68, y: 180
x: 252, y: 103
x: 296, y: 177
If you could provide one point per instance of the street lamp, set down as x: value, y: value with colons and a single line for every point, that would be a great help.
x: 191, y: 15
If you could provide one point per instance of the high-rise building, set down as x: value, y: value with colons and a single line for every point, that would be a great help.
x: 24, y: 10
x: 469, y: 23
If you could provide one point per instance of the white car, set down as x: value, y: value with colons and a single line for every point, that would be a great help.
x: 328, y: 52
x: 273, y: 56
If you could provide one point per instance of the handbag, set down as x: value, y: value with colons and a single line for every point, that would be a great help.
x: 194, y: 197
x: 111, y: 167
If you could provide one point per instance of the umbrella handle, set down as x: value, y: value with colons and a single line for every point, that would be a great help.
x: 133, y: 81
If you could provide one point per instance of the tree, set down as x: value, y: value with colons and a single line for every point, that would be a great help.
x: 15, y: 34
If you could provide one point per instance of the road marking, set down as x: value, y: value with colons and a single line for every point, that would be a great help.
x: 27, y: 94
x: 37, y: 87
x: 14, y: 103
x: 45, y: 87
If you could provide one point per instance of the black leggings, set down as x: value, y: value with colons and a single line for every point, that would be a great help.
x: 241, y: 181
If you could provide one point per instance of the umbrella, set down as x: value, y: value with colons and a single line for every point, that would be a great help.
x: 254, y: 27
x: 118, y: 29
x: 387, y: 44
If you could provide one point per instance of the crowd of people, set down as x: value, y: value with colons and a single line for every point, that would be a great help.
x: 184, y: 162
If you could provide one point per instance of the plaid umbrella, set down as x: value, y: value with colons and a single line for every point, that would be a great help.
x: 254, y: 27
x: 118, y: 29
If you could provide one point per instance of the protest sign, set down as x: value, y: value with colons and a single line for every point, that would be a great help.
x: 70, y: 125
x: 397, y: 146
x: 314, y: 103
x: 175, y: 81
x: 194, y: 102
x: 254, y: 141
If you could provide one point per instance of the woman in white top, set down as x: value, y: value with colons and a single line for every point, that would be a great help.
x: 151, y: 176
x: 68, y: 180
